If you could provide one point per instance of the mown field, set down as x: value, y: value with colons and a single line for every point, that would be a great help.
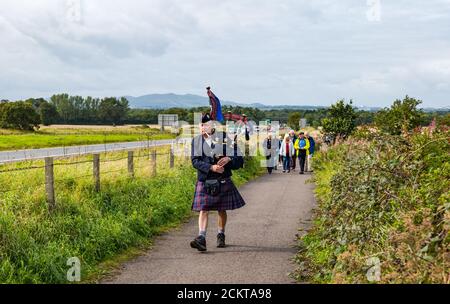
x: 59, y: 136
x: 383, y: 213
x: 36, y: 243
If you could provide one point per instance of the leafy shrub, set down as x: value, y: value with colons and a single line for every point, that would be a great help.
x: 388, y: 198
x: 402, y: 116
x: 341, y: 120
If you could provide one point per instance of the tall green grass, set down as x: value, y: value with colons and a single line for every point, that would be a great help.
x: 95, y: 227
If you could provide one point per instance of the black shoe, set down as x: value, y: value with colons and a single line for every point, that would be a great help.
x: 221, y: 240
x: 199, y: 243
x: 302, y: 172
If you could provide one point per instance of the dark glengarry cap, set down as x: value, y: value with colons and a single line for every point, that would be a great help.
x: 206, y: 118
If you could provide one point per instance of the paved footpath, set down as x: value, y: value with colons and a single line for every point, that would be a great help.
x: 261, y: 239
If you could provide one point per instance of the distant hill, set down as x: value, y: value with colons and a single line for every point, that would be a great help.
x: 170, y: 100
x: 165, y: 101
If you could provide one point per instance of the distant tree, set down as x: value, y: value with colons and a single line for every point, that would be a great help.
x: 294, y: 120
x: 89, y: 112
x: 341, y: 120
x: 77, y: 105
x: 403, y: 116
x: 18, y: 115
x: 142, y: 116
x: 365, y: 118
x: 113, y: 110
x: 36, y: 102
x: 48, y: 114
x: 63, y: 106
x: 444, y: 120
x: 182, y: 113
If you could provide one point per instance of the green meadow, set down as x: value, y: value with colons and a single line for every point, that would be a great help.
x: 74, y: 136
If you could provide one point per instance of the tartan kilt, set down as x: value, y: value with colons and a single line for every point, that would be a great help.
x: 228, y: 199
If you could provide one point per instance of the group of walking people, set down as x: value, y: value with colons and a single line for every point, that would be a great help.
x: 291, y: 148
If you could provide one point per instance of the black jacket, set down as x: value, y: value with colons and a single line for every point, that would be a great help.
x: 203, y: 157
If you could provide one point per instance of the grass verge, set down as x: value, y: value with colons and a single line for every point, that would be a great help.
x: 101, y: 229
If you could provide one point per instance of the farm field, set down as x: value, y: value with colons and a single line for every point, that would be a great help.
x: 67, y: 135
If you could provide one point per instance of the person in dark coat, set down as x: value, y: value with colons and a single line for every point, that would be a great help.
x: 302, y: 146
x: 214, y: 155
x: 269, y: 146
x: 294, y: 138
x: 312, y: 149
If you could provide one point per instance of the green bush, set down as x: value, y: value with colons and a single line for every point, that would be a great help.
x: 402, y: 117
x: 18, y: 115
x: 387, y: 197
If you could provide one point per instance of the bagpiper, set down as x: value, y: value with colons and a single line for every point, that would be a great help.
x: 214, y: 155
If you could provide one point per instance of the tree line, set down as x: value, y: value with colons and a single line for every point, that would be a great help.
x: 65, y: 109
x: 62, y: 109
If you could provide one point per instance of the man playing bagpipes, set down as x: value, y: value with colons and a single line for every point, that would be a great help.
x: 214, y: 155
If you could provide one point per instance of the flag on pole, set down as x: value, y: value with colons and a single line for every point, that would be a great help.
x: 216, y: 107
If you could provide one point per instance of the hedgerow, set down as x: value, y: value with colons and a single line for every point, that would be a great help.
x: 380, y: 198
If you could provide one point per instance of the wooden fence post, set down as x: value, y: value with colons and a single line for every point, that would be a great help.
x: 172, y: 157
x: 50, y: 183
x: 154, y: 163
x: 131, y: 163
x: 97, y: 172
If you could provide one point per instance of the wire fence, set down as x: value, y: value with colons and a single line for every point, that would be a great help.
x: 50, y: 172
x: 13, y: 156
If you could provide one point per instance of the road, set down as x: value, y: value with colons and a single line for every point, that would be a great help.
x: 30, y: 154
x: 261, y: 240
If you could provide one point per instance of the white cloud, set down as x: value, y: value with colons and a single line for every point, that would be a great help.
x: 285, y: 51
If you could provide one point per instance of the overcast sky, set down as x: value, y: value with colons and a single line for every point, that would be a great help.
x: 273, y: 52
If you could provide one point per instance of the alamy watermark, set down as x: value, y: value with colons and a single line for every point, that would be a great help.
x: 73, y: 11
x: 74, y: 272
x: 374, y: 272
x: 373, y: 12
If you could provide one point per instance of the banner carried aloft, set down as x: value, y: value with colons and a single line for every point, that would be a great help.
x: 216, y: 107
